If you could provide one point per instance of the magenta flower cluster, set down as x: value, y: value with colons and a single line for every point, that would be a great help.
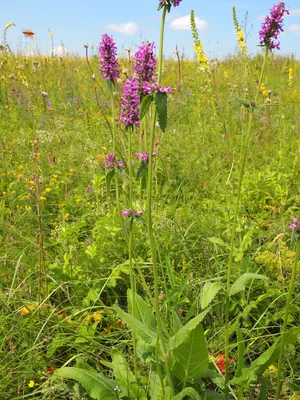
x: 154, y: 87
x: 174, y: 2
x: 272, y: 26
x: 130, y: 103
x: 295, y: 224
x: 108, y: 64
x: 144, y: 64
x: 110, y: 162
x: 144, y: 156
x: 132, y: 213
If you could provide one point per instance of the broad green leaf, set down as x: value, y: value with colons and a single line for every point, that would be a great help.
x: 211, y: 395
x: 190, y: 392
x: 209, y: 292
x: 241, y: 282
x: 108, y: 178
x: 142, y: 170
x: 143, y: 311
x: 145, y: 105
x: 161, y: 102
x: 97, y: 386
x: 190, y: 358
x: 184, y: 332
x: 242, y: 101
x: 146, y: 334
x: 155, y: 389
x: 249, y: 375
x: 125, y: 378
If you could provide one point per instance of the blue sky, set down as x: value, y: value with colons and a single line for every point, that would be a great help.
x: 74, y: 23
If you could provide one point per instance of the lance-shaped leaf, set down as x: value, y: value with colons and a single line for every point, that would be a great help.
x: 209, y: 292
x: 125, y: 378
x: 147, y: 100
x: 146, y: 334
x: 97, y: 386
x: 241, y: 282
x: 143, y: 311
x: 108, y: 178
x: 242, y: 101
x: 143, y: 168
x: 161, y: 102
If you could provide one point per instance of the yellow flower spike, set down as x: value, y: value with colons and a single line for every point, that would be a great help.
x: 31, y: 383
x: 9, y: 25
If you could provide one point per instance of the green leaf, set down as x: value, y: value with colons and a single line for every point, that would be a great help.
x: 190, y: 392
x: 155, y: 389
x: 242, y: 101
x: 142, y: 170
x: 209, y: 292
x: 293, y: 387
x: 143, y: 311
x: 249, y: 375
x: 96, y: 385
x: 211, y: 395
x: 161, y: 102
x: 108, y: 179
x: 146, y: 334
x: 241, y: 282
x: 216, y: 240
x: 190, y: 358
x: 147, y: 100
x: 241, y: 352
x: 263, y: 395
x: 125, y: 378
x: 184, y: 332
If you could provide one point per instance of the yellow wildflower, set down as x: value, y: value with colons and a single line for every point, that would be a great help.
x: 48, y: 190
x: 66, y: 216
x: 31, y: 383
x: 43, y: 198
x: 263, y: 90
x: 290, y: 76
x: 78, y: 200
x: 241, y: 41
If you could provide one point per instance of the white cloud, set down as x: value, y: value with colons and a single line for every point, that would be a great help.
x: 295, y: 12
x: 295, y: 29
x: 184, y: 24
x: 59, y: 51
x: 128, y: 28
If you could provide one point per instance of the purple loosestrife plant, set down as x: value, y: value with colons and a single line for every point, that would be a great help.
x: 108, y: 64
x: 144, y: 64
x: 130, y: 103
x: 110, y: 162
x: 272, y: 26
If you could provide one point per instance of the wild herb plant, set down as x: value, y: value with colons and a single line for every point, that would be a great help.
x: 135, y: 307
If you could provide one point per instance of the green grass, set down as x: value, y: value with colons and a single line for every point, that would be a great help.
x: 195, y: 184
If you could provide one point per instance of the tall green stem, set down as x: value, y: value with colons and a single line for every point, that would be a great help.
x: 114, y: 134
x: 160, y: 342
x: 234, y: 225
x: 285, y: 321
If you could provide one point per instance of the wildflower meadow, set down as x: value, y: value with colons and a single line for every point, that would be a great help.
x: 150, y: 220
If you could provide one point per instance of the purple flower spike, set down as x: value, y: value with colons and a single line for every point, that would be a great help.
x: 132, y: 213
x: 110, y: 161
x: 144, y: 62
x: 272, y: 26
x: 295, y: 224
x: 108, y: 64
x: 150, y: 88
x: 130, y: 103
x: 174, y: 2
x: 126, y: 213
x: 142, y: 156
x: 138, y: 213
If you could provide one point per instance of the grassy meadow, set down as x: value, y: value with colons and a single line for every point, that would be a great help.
x: 67, y: 278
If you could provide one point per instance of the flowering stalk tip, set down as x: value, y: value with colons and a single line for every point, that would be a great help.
x: 272, y: 26
x: 108, y: 64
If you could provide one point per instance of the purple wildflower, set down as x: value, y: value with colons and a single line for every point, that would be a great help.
x: 110, y: 162
x: 174, y: 2
x: 130, y: 103
x: 108, y: 65
x: 150, y: 88
x: 272, y: 26
x: 132, y: 213
x: 142, y: 156
x: 144, y: 62
x: 295, y: 224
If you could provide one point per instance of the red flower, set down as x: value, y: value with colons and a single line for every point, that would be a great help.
x: 220, y: 361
